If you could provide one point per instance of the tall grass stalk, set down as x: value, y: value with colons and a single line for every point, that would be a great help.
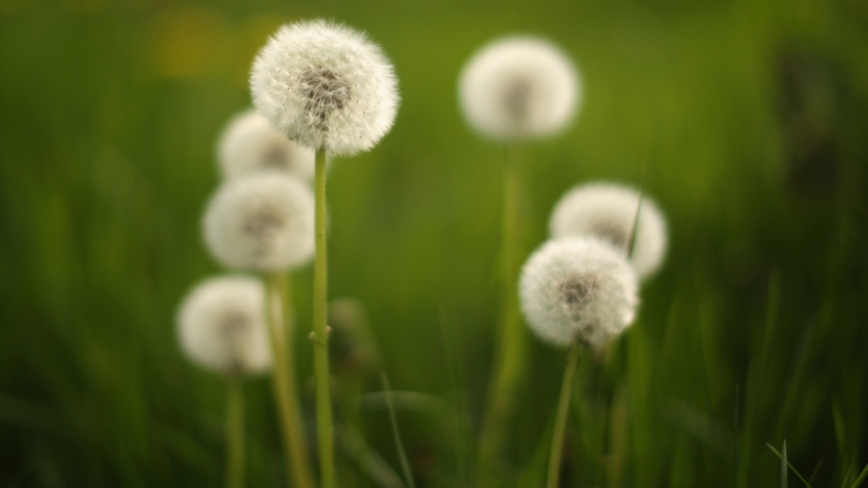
x: 561, y: 417
x: 234, y: 432
x: 402, y: 455
x: 284, y: 384
x: 785, y: 462
x: 325, y: 434
x: 510, y: 356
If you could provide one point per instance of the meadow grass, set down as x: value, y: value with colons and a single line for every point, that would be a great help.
x: 750, y: 118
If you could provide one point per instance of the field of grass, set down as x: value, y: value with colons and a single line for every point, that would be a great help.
x: 746, y: 120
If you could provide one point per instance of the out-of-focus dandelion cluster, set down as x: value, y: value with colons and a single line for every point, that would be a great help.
x: 580, y: 287
x: 321, y: 89
x: 622, y: 238
x: 260, y: 220
x: 583, y: 288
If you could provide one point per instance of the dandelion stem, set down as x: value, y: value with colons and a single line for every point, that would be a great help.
x: 325, y: 434
x: 234, y: 432
x: 561, y: 418
x: 509, y: 361
x: 284, y: 383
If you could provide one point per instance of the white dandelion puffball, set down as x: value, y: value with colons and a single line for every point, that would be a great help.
x: 519, y: 88
x: 221, y: 326
x: 325, y: 86
x: 262, y: 222
x: 248, y: 144
x: 578, y: 289
x: 608, y: 211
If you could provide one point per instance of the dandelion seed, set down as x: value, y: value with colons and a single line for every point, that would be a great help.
x: 248, y: 144
x: 519, y: 88
x: 221, y: 326
x: 578, y: 289
x: 608, y: 211
x: 262, y: 222
x: 325, y: 86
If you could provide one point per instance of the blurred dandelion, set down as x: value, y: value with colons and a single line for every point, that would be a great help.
x: 329, y: 88
x: 513, y: 89
x: 248, y: 144
x: 576, y: 291
x: 325, y: 86
x: 262, y: 222
x: 519, y: 88
x: 613, y: 213
x: 221, y: 327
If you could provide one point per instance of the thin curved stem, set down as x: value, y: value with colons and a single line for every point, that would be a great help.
x: 284, y: 384
x: 510, y: 356
x: 234, y: 433
x: 561, y: 417
x: 325, y: 433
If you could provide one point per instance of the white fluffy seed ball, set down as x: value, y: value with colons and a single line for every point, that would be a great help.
x: 325, y: 86
x: 519, y: 88
x: 608, y: 211
x: 578, y: 289
x: 262, y: 222
x: 248, y: 144
x: 221, y: 326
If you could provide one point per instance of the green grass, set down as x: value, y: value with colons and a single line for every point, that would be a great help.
x: 750, y: 118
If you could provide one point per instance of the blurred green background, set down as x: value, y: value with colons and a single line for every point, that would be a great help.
x: 750, y: 119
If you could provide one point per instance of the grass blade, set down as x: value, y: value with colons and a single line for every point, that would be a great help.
x: 631, y: 243
x: 816, y: 470
x: 369, y: 460
x: 784, y: 466
x: 402, y: 455
x: 783, y: 458
x: 847, y: 476
x: 861, y: 478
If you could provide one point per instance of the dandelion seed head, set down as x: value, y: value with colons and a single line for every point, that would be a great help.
x: 262, y: 222
x: 578, y: 288
x: 608, y: 211
x: 325, y: 86
x: 221, y: 326
x: 519, y: 88
x: 248, y: 144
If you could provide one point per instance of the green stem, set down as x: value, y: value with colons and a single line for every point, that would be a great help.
x: 325, y: 433
x: 284, y: 384
x: 234, y: 432
x: 561, y: 418
x: 510, y: 357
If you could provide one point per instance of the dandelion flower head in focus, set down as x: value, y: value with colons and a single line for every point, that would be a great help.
x: 262, y: 222
x: 608, y: 211
x: 519, y: 88
x: 325, y: 86
x: 248, y: 144
x: 578, y: 289
x: 221, y: 326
